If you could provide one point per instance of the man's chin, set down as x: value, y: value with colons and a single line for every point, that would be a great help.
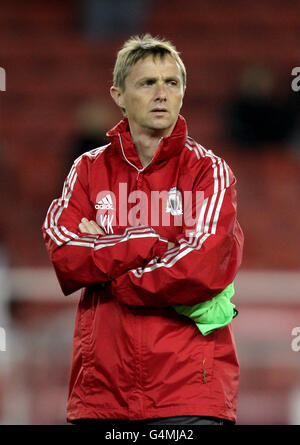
x: 160, y: 124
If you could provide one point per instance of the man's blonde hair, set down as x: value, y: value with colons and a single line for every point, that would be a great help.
x: 139, y: 47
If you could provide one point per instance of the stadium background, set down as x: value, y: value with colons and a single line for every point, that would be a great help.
x: 58, y: 57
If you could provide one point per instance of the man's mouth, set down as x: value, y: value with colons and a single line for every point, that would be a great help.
x: 159, y: 110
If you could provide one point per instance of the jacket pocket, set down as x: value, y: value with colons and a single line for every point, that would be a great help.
x: 87, y: 307
x: 206, y: 358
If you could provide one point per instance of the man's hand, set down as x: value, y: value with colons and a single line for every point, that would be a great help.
x: 90, y: 227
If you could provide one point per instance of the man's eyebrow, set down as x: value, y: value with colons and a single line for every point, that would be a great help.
x: 146, y: 78
x: 142, y: 79
x: 175, y: 77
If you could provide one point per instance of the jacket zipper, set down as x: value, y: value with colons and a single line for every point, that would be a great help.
x: 139, y: 339
x: 139, y: 170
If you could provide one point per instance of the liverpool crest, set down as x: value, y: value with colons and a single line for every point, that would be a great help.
x: 174, y: 202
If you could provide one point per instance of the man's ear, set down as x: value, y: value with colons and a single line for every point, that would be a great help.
x: 117, y: 96
x: 184, y: 88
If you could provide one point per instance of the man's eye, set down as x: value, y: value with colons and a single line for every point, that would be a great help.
x: 148, y: 82
x: 172, y: 82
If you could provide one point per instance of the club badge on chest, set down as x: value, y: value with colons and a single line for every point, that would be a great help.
x: 174, y: 202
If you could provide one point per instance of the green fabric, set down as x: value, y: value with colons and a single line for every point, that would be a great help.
x: 212, y: 314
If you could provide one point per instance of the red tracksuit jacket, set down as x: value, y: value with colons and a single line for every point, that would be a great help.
x: 133, y: 355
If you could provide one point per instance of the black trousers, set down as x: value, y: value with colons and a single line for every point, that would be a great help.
x: 177, y: 420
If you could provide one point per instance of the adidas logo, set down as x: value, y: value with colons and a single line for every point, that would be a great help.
x: 105, y: 203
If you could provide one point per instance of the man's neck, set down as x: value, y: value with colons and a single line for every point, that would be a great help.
x: 146, y: 143
x: 146, y: 147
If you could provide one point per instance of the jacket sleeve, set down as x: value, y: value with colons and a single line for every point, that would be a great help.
x: 203, y: 262
x: 82, y: 260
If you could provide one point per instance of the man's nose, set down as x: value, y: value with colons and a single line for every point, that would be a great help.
x: 160, y: 92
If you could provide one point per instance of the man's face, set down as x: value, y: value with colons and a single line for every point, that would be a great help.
x: 153, y: 95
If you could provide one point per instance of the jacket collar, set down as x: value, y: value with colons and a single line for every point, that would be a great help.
x: 169, y: 146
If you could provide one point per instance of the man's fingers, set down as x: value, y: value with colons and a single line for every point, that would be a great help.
x: 82, y: 228
x: 170, y: 245
x: 97, y: 228
x: 90, y: 227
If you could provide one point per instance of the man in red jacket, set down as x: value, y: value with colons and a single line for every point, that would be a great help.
x: 146, y: 226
